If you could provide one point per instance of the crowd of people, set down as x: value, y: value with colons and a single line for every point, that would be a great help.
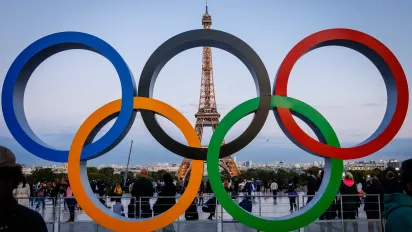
x: 391, y: 199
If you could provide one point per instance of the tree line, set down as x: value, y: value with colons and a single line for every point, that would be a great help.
x: 281, y: 176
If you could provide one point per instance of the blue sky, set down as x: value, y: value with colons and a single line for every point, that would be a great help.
x: 340, y: 83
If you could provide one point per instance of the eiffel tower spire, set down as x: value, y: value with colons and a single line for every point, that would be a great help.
x: 207, y: 115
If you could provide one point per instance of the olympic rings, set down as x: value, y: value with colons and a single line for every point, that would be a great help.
x: 80, y: 183
x: 25, y: 64
x: 321, y: 201
x: 389, y: 67
x: 82, y: 148
x: 197, y: 38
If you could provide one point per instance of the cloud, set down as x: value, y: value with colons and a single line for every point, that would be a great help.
x: 373, y: 104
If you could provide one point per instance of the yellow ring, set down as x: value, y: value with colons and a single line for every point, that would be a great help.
x: 125, y: 224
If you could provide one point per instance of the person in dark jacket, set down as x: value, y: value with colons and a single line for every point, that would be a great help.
x: 246, y: 204
x: 392, y: 185
x: 398, y: 206
x: 166, y: 196
x: 166, y: 199
x: 349, y: 201
x: 292, y: 196
x: 311, y: 184
x: 143, y: 191
x: 191, y: 213
x: 13, y: 216
x: 54, y: 192
x: 319, y: 179
x: 373, y: 201
x: 235, y: 192
x: 210, y: 207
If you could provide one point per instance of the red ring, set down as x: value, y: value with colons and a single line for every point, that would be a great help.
x: 362, y: 150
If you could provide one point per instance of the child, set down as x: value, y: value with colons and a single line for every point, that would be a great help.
x: 118, y: 207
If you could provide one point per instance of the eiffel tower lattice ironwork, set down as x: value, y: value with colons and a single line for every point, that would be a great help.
x: 207, y: 115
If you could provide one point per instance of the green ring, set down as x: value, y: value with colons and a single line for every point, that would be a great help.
x: 312, y: 211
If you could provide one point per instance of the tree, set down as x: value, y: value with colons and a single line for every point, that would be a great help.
x: 96, y: 176
x: 46, y: 174
x: 92, y: 170
x: 130, y: 175
x: 61, y: 176
x: 157, y: 175
x: 107, y: 171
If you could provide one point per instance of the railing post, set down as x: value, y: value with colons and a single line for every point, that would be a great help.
x: 140, y: 207
x: 58, y: 215
x: 221, y: 219
x: 134, y: 207
x: 380, y: 215
x: 341, y: 212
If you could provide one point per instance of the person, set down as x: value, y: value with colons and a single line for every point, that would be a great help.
x: 118, y: 207
x: 266, y: 186
x: 274, y: 188
x: 41, y: 190
x: 349, y: 201
x: 392, y: 185
x: 246, y: 204
x: 373, y: 202
x: 70, y: 200
x: 226, y: 185
x: 201, y: 194
x: 54, y: 191
x: 167, y: 199
x: 31, y: 199
x: 318, y: 182
x: 235, y: 192
x: 191, y: 213
x: 398, y: 206
x: 253, y: 189
x: 311, y: 184
x: 210, y: 207
x: 167, y: 196
x: 22, y: 193
x: 158, y: 186
x: 13, y: 216
x: 248, y: 187
x: 117, y: 192
x: 258, y: 186
x: 330, y: 213
x: 143, y: 191
x: 292, y: 196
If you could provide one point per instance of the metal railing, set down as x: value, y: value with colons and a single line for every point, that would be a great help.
x: 346, y: 213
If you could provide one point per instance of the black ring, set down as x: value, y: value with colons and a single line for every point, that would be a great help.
x: 200, y: 38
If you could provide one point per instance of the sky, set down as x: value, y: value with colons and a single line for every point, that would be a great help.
x: 343, y: 85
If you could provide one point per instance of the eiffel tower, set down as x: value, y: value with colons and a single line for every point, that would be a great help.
x: 207, y: 115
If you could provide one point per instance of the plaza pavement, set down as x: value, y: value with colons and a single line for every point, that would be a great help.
x: 263, y: 206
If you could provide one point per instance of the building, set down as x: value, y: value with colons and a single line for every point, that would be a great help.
x: 365, y: 166
x: 395, y: 164
x: 249, y: 164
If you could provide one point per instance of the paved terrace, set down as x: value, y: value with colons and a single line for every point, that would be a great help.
x: 222, y: 222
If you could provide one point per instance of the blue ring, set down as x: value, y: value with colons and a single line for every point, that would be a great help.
x: 19, y: 74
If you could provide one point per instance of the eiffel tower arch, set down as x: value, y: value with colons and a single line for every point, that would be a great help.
x: 207, y: 115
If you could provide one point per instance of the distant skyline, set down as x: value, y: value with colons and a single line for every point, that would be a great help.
x: 340, y: 83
